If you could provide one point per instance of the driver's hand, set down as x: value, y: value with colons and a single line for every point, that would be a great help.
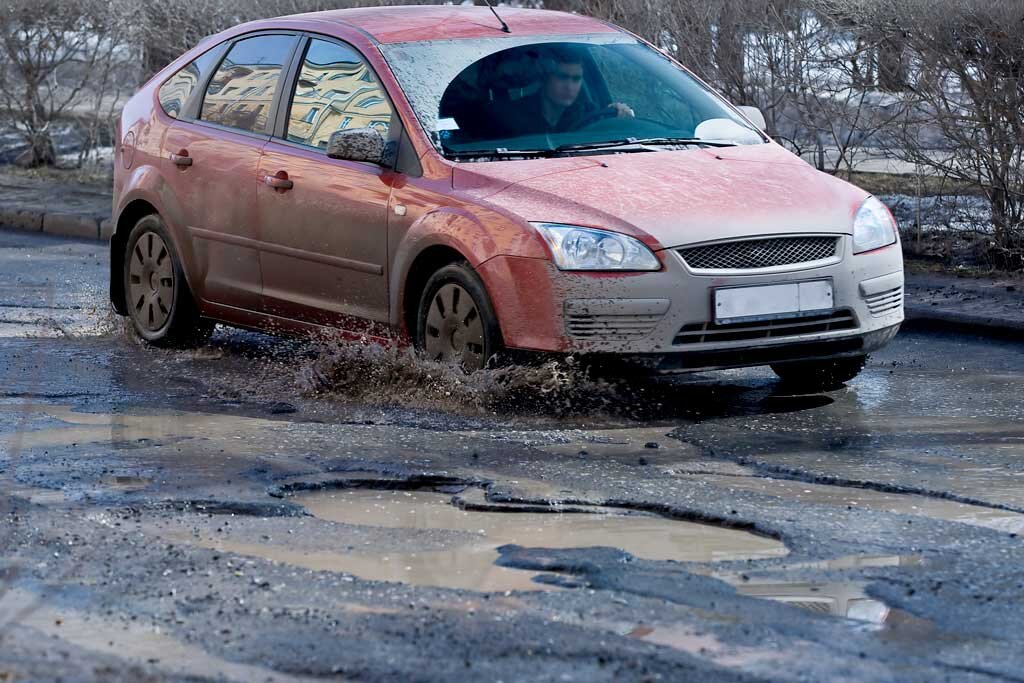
x: 622, y: 111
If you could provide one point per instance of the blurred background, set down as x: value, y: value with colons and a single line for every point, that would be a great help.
x: 920, y: 102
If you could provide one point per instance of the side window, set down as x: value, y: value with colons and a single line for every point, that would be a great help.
x: 176, y: 90
x: 336, y: 89
x: 242, y: 89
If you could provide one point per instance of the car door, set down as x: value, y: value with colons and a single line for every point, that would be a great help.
x: 323, y: 253
x: 212, y: 154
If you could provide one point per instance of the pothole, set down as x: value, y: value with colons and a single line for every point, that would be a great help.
x: 467, y: 557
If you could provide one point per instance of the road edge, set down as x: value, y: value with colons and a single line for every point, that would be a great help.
x: 79, y: 226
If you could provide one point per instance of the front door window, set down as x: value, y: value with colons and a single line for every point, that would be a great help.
x: 336, y: 90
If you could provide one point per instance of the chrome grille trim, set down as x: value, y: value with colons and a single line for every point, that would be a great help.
x: 710, y: 332
x: 761, y: 253
x: 885, y: 302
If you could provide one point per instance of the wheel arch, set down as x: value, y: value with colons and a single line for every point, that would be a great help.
x: 426, y: 263
x: 131, y: 214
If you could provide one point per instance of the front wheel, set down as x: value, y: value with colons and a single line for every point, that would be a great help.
x: 160, y: 303
x: 816, y: 375
x: 455, y: 321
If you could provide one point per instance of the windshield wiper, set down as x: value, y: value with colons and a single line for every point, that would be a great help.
x: 499, y: 153
x: 640, y: 145
x: 641, y: 142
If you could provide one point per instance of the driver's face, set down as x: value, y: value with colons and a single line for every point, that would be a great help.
x: 563, y: 86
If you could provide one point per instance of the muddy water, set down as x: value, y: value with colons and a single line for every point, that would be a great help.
x: 377, y: 375
x: 701, y: 644
x: 80, y: 428
x: 469, y: 561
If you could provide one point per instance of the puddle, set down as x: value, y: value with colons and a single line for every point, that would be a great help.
x: 899, y: 503
x: 701, y: 644
x: 133, y: 642
x: 121, y: 428
x: 469, y: 561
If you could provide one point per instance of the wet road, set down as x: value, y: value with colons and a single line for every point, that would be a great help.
x: 268, y: 510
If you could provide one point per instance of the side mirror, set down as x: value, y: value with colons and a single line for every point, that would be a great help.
x: 755, y: 116
x: 357, y: 144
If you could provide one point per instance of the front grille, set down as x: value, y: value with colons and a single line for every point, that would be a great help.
x: 700, y: 333
x: 761, y: 253
x: 629, y: 326
x: 885, y: 302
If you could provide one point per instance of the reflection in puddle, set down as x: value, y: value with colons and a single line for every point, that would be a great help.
x: 845, y: 599
x: 469, y: 561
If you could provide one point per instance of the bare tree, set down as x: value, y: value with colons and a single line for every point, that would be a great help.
x: 963, y: 100
x: 54, y: 56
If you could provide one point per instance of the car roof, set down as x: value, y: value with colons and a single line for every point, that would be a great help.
x: 409, y: 23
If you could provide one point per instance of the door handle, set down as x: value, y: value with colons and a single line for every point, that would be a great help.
x: 279, y: 181
x: 181, y: 159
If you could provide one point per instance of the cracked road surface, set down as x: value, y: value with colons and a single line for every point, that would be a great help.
x: 205, y: 515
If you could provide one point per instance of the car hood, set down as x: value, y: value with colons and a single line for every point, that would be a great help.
x: 670, y: 198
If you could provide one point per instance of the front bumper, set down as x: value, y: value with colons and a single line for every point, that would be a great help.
x: 667, y: 315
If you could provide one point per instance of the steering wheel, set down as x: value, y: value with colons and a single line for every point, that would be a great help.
x: 595, y: 116
x: 604, y: 115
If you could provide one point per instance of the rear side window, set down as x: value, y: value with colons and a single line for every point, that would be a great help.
x: 242, y: 89
x: 336, y: 89
x: 176, y: 90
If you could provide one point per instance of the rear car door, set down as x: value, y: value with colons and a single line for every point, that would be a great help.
x: 211, y: 155
x: 323, y: 254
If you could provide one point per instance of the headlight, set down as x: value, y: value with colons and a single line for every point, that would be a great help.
x: 873, y: 227
x: 578, y: 248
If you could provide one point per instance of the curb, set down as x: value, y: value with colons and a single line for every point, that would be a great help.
x: 926, y: 317
x: 79, y: 226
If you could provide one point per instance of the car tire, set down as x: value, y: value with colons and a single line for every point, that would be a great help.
x: 160, y: 304
x: 471, y: 337
x: 817, y: 375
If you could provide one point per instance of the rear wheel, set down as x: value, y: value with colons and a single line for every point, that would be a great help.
x: 816, y: 375
x: 455, y: 321
x: 160, y: 303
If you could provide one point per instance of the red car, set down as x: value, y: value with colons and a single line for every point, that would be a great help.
x: 541, y: 181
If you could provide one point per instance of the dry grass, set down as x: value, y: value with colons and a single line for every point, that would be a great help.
x: 80, y: 176
x: 927, y: 185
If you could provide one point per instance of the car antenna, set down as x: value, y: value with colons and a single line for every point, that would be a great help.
x: 504, y: 26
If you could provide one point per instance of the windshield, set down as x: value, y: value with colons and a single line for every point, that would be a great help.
x: 538, y: 96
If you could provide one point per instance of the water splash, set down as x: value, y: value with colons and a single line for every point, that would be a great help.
x: 389, y: 375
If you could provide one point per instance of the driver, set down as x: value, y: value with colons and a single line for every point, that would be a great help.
x: 557, y: 106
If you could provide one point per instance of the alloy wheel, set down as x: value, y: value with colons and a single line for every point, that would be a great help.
x: 151, y: 282
x: 454, y: 330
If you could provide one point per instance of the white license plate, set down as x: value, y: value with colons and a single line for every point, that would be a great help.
x: 769, y: 302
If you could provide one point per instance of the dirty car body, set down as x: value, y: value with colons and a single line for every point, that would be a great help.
x: 666, y: 231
